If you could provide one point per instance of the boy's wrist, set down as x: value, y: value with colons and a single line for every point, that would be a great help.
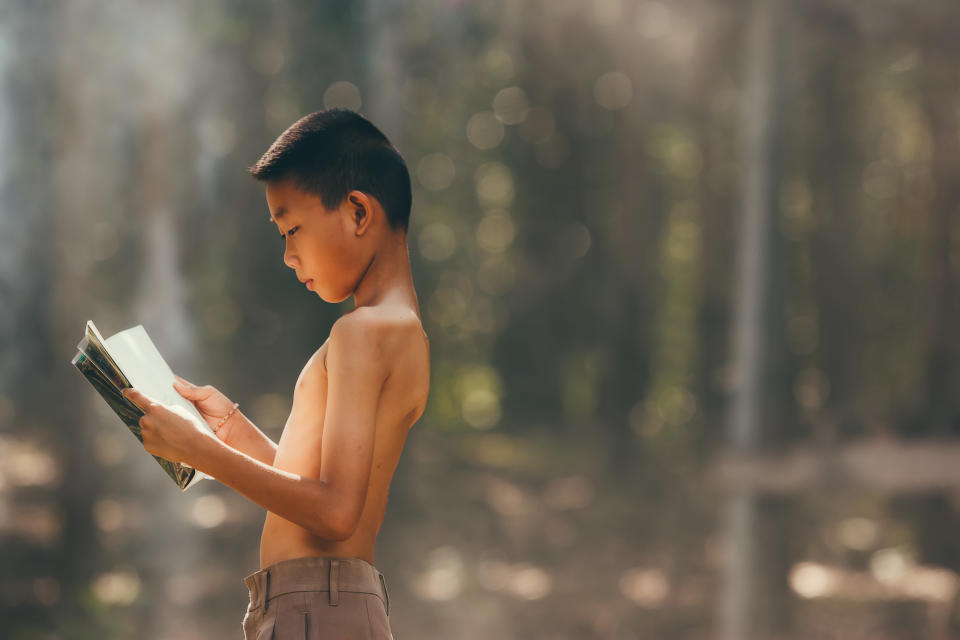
x: 225, y: 429
x: 201, y: 452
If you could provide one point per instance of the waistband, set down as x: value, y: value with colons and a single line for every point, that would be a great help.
x: 317, y: 573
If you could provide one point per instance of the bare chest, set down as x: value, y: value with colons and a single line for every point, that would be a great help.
x: 299, y: 446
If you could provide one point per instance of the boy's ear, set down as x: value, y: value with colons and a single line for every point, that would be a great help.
x: 360, y: 203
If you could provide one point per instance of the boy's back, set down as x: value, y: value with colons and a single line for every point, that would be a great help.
x: 396, y: 330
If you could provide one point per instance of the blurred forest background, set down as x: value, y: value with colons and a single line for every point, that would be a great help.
x: 689, y: 268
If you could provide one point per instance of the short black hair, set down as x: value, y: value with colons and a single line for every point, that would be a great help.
x: 330, y: 152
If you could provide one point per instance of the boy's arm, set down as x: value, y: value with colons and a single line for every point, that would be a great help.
x: 237, y: 431
x: 327, y: 496
x: 240, y: 433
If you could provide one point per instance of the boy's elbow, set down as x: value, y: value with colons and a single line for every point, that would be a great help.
x: 347, y: 531
x: 323, y: 525
x: 347, y: 524
x: 333, y: 523
x: 336, y: 529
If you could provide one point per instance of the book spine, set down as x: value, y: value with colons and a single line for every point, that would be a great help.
x: 98, y: 354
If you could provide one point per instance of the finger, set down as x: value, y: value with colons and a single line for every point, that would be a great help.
x: 191, y: 392
x: 195, y: 393
x: 137, y: 397
x: 184, y: 387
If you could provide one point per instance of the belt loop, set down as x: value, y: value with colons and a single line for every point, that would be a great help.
x: 334, y: 582
x: 386, y: 594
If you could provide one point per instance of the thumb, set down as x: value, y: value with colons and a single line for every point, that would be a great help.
x: 184, y: 388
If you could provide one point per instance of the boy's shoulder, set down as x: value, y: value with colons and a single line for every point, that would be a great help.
x: 378, y: 322
x: 382, y: 340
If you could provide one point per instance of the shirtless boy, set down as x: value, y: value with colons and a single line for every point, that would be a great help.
x: 339, y: 193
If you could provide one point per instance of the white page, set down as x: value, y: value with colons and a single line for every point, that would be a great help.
x: 139, y: 359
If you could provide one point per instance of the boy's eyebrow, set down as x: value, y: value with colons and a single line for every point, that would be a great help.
x: 280, y: 212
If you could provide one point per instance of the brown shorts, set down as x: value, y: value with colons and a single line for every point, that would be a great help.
x: 318, y: 598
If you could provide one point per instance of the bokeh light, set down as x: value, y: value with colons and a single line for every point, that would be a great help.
x: 436, y: 171
x: 342, y: 94
x: 484, y: 130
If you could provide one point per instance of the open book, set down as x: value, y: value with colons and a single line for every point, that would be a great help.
x: 130, y: 359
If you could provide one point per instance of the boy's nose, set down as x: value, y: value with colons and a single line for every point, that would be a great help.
x: 288, y: 258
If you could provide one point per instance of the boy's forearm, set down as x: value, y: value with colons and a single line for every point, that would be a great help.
x: 243, y: 435
x: 307, y: 502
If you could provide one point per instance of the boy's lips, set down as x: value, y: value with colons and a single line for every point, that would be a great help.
x: 309, y: 284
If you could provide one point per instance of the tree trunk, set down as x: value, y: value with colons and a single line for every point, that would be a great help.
x: 77, y: 195
x: 746, y: 608
x: 939, y: 85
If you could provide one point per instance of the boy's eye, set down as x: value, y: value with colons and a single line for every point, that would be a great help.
x: 289, y: 233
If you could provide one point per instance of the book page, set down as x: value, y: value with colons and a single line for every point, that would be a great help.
x: 135, y: 354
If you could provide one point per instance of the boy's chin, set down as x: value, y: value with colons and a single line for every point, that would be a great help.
x: 332, y: 298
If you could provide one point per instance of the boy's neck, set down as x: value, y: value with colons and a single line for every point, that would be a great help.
x: 388, y: 276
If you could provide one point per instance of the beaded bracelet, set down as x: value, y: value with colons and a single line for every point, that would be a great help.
x: 224, y: 418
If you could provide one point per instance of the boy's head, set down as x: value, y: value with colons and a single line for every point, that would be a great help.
x: 332, y: 152
x: 335, y: 187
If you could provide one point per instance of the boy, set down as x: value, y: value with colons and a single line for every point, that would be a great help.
x: 339, y: 194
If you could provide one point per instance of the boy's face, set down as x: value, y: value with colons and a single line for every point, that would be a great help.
x: 322, y: 245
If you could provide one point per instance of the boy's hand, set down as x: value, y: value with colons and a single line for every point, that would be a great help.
x: 168, y: 432
x: 209, y: 401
